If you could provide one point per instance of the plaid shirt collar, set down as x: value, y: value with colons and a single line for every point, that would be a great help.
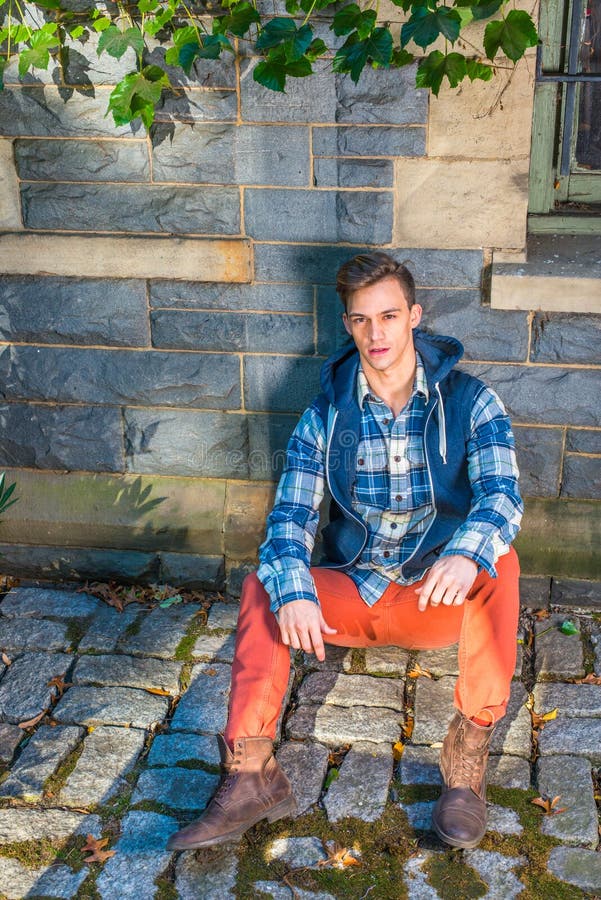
x: 364, y: 392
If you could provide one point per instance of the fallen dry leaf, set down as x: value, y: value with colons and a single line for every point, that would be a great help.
x: 417, y: 671
x: 60, y: 684
x: 94, y: 846
x: 31, y: 722
x: 398, y: 750
x: 210, y: 671
x: 6, y: 660
x: 591, y: 678
x: 339, y: 857
x: 540, y: 614
x: 539, y: 720
x: 548, y: 805
x: 161, y: 692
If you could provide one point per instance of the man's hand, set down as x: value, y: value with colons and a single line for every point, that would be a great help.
x: 301, y: 625
x: 448, y: 582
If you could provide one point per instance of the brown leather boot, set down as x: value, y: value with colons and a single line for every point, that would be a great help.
x: 459, y: 817
x: 254, y: 787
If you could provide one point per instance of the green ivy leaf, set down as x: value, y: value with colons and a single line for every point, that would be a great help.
x: 292, y: 7
x: 569, y: 627
x: 241, y: 16
x: 211, y: 47
x: 137, y: 94
x: 48, y: 4
x: 424, y: 27
x: 275, y: 32
x: 479, y: 70
x: 513, y: 35
x: 401, y: 57
x: 102, y: 23
x: 76, y: 32
x: 484, y: 9
x: 316, y: 49
x: 299, y: 68
x: 352, y: 17
x: 115, y: 42
x: 354, y: 54
x: 436, y: 65
x: 271, y: 74
x: 146, y: 6
x: 37, y: 55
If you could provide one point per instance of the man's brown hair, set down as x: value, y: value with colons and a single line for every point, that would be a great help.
x: 366, y: 269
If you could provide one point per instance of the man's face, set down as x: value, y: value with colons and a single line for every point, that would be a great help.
x: 380, y: 323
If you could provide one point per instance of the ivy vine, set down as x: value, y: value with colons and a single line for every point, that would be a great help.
x: 35, y: 32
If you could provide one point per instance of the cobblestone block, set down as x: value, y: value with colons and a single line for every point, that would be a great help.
x: 280, y: 383
x: 41, y: 602
x: 418, y: 886
x: 215, y: 647
x: 216, y: 444
x: 277, y: 891
x: 581, y: 477
x: 565, y: 338
x: 571, y: 778
x: 24, y: 690
x: 199, y: 295
x: 539, y: 452
x: 171, y: 749
x: 195, y: 330
x: 19, y: 825
x: 39, y: 760
x: 10, y: 737
x: 217, y: 876
x: 128, y: 671
x: 17, y: 880
x: 365, y: 763
x: 123, y: 706
x: 352, y: 141
x: 572, y: 592
x: 140, y: 856
x: 108, y: 755
x: 27, y: 635
x: 297, y: 851
x: 39, y: 160
x: 43, y: 112
x: 581, y: 868
x: 386, y: 660
x: 350, y: 216
x: 131, y: 208
x: 235, y: 154
x: 107, y: 627
x: 439, y: 662
x: 570, y: 699
x: 579, y: 440
x: 502, y: 820
x: 61, y: 437
x: 178, y: 787
x: 223, y: 615
x: 204, y: 705
x: 120, y: 377
x: 305, y: 764
x: 335, y: 725
x: 496, y: 870
x: 565, y: 736
x: 419, y: 815
x: 557, y: 654
x: 351, y: 690
x: 161, y: 631
x: 191, y: 570
x: 74, y: 310
x: 349, y: 173
x: 338, y: 659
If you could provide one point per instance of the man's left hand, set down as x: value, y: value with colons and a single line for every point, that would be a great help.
x: 448, y: 582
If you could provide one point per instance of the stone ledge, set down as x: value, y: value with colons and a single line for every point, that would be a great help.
x: 96, y: 256
x: 562, y: 272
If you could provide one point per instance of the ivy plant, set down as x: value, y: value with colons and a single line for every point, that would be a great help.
x: 286, y: 45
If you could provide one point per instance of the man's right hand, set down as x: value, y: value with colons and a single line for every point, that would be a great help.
x: 301, y: 626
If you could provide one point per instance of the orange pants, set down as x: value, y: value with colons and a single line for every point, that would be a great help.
x: 485, y: 626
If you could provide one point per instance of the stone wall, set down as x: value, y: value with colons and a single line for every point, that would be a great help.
x: 167, y: 302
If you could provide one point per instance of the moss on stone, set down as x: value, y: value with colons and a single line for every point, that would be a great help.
x: 55, y: 783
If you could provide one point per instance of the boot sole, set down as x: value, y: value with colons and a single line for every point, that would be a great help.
x: 285, y: 808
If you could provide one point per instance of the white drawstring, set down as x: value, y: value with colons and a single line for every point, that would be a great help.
x: 442, y: 428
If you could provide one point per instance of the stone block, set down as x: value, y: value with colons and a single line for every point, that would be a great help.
x: 195, y: 330
x: 90, y: 160
x: 83, y: 66
x: 305, y: 764
x: 61, y: 437
x: 24, y: 689
x: 338, y: 659
x: 557, y: 654
x: 267, y: 297
x: 77, y: 564
x: 365, y: 763
x: 297, y: 851
x: 319, y: 264
x: 335, y: 725
x: 121, y: 706
x: 351, y: 690
x: 383, y: 97
x: 331, y: 333
x: 161, y: 631
x: 131, y: 208
x: 193, y: 107
x: 535, y: 591
x: 440, y: 662
x: 539, y: 452
x: 10, y: 205
x: 40, y: 758
x: 575, y: 593
x: 178, y: 788
x: 570, y: 778
x: 236, y: 572
x: 120, y: 377
x: 223, y: 616
x: 10, y: 737
x: 108, y: 755
x: 268, y: 437
x: 17, y: 880
x: 461, y: 203
x: 234, y: 154
x: 217, y: 874
x: 74, y: 311
x: 280, y: 383
x: 365, y: 140
x: 277, y: 891
x: 215, y: 73
x: 140, y: 856
x: 386, y: 660
x: 21, y: 824
x: 564, y: 737
x: 565, y: 338
x: 128, y: 671
x: 560, y: 536
x: 581, y: 477
x: 43, y: 112
x: 203, y: 707
x: 301, y: 102
x: 192, y: 571
x: 496, y: 869
x: 581, y: 868
x: 247, y: 508
x: 171, y: 749
x: 350, y: 173
x: 24, y: 635
x: 572, y: 700
x: 40, y: 602
x: 107, y: 628
x: 579, y: 440
x: 484, y: 333
x: 198, y: 259
x: 348, y: 216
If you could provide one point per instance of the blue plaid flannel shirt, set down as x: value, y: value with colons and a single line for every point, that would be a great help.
x: 392, y: 494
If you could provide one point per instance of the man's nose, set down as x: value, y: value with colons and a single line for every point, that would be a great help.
x: 377, y: 331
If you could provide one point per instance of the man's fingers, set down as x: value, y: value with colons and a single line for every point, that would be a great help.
x: 325, y: 627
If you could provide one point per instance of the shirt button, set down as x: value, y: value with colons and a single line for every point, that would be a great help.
x: 397, y: 459
x: 393, y: 525
x: 360, y: 462
x: 386, y: 554
x: 385, y: 421
x: 398, y: 498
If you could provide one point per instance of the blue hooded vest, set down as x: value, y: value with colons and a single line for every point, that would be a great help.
x: 446, y: 432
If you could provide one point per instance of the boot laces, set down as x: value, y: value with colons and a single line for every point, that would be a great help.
x: 469, y: 765
x: 231, y: 776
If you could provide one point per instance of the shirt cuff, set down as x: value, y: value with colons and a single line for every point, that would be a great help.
x: 292, y: 583
x: 477, y: 547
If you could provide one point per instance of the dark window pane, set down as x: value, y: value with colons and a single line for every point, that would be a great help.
x: 588, y: 143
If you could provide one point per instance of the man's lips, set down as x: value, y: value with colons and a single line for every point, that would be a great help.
x: 378, y: 350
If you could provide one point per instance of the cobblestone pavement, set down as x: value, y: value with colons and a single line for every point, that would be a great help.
x: 107, y: 725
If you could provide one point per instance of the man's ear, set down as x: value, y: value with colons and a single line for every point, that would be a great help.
x: 345, y: 322
x: 415, y: 315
